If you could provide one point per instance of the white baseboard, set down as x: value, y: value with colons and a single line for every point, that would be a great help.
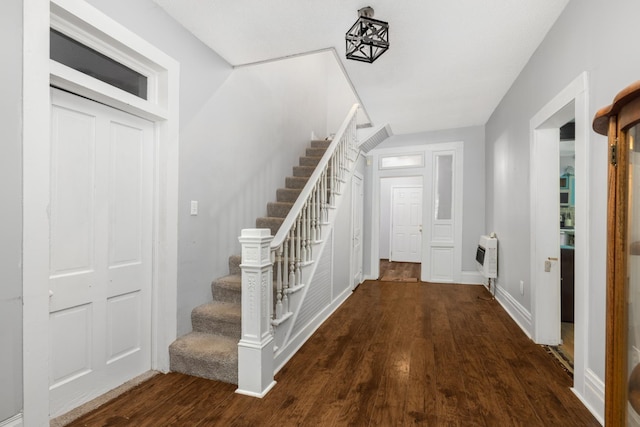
x: 15, y: 421
x: 517, y: 312
x: 283, y: 355
x: 471, y: 278
x: 593, y: 397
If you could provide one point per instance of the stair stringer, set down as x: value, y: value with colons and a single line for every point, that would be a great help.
x: 292, y: 334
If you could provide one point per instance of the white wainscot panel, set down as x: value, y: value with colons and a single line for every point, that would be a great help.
x: 125, y: 194
x: 70, y: 342
x: 123, y: 326
x: 415, y: 241
x: 400, y: 242
x: 72, y: 190
x: 442, y: 264
x: 442, y: 232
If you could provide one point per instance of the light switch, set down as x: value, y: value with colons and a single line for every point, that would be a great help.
x: 194, y: 207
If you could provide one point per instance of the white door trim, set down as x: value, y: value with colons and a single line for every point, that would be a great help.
x: 162, y: 108
x: 357, y: 199
x: 425, y: 173
x: 577, y: 93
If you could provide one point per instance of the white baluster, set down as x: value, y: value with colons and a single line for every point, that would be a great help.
x: 303, y: 234
x: 325, y: 196
x: 278, y: 253
x: 298, y: 259
x: 286, y: 278
x: 334, y: 178
x: 308, y: 226
x: 314, y: 214
x: 292, y: 257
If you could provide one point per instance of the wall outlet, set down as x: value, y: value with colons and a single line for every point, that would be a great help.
x: 194, y: 207
x: 521, y: 287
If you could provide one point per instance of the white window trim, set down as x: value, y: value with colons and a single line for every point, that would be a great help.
x: 99, y: 31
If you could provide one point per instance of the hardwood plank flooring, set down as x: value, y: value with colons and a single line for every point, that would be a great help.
x: 394, y: 354
x: 399, y: 271
x: 567, y: 334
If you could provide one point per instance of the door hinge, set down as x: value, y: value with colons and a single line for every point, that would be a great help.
x: 613, y: 156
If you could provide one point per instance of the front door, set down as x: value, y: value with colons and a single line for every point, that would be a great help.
x: 406, y: 224
x: 100, y: 249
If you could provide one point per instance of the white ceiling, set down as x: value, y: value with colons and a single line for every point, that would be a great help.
x: 449, y: 63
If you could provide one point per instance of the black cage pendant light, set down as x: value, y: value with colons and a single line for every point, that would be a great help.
x: 368, y: 38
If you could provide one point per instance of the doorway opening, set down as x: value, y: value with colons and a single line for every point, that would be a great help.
x: 399, y: 271
x: 401, y: 200
x: 567, y: 189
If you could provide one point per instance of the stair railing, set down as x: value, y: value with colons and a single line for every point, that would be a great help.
x: 265, y: 306
x: 292, y: 246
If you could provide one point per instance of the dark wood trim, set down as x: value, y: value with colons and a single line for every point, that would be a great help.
x: 615, y: 121
x: 616, y: 355
x: 601, y: 119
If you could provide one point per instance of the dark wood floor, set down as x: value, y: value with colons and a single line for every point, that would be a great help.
x: 394, y: 354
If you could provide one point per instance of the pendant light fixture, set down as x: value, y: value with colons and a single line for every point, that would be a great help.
x: 367, y: 38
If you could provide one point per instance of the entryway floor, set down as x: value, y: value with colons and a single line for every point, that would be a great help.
x: 399, y: 271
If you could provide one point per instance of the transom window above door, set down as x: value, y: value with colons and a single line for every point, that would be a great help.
x: 73, y: 54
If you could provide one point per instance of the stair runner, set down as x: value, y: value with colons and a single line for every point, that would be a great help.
x: 211, y: 349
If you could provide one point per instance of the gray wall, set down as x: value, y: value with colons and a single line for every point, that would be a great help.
x: 473, y: 220
x: 601, y: 39
x: 11, y: 212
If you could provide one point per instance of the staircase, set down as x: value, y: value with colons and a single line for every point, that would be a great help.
x: 211, y: 351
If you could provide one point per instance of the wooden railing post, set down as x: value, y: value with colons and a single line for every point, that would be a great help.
x: 256, y: 346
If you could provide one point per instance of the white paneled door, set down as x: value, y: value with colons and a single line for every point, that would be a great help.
x: 100, y: 249
x: 406, y: 224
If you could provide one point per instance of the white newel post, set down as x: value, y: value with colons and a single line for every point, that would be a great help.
x: 255, y: 349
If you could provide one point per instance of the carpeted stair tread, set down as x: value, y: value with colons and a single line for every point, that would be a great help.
x: 315, y: 152
x: 295, y: 182
x: 234, y: 264
x: 309, y: 161
x: 221, y: 318
x: 303, y: 170
x: 278, y: 209
x: 321, y: 143
x: 288, y: 194
x: 271, y: 223
x: 206, y: 355
x: 227, y: 288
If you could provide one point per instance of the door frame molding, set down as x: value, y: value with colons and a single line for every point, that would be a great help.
x: 424, y: 171
x: 92, y: 27
x: 572, y: 100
